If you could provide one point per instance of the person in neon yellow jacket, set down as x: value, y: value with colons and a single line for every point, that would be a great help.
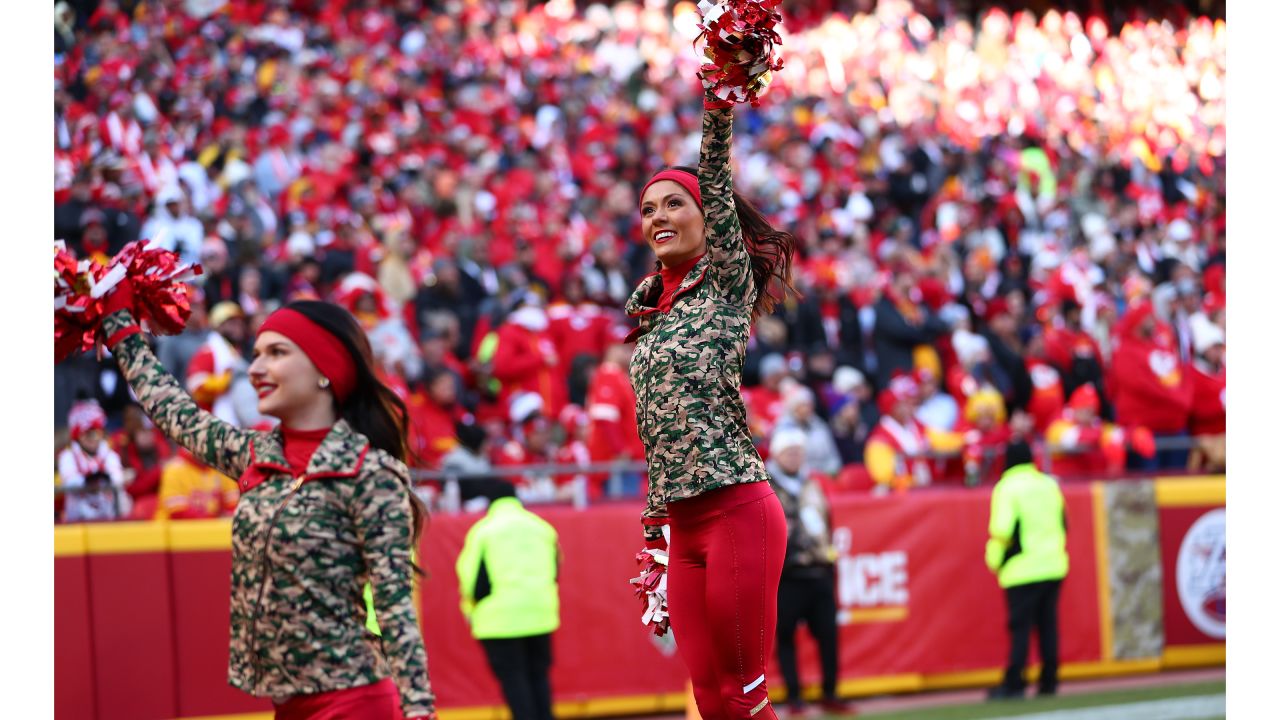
x: 508, y: 574
x: 1027, y: 551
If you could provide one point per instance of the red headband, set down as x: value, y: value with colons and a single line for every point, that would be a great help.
x: 685, y: 180
x: 324, y: 350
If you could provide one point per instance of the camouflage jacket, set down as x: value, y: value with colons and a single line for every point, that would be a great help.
x: 687, y: 367
x: 303, y: 548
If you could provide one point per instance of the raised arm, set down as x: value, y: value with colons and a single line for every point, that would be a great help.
x: 217, y: 443
x: 730, y: 263
x: 384, y: 524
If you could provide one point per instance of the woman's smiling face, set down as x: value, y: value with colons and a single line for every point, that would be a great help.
x: 672, y: 223
x: 287, y: 382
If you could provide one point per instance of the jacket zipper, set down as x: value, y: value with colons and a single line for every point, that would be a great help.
x: 266, y: 575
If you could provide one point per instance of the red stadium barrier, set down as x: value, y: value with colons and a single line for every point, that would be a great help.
x: 143, y: 636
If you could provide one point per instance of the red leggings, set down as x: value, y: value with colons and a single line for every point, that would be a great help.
x: 378, y: 701
x: 727, y: 548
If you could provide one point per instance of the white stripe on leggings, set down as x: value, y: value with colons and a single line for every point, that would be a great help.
x: 754, y: 684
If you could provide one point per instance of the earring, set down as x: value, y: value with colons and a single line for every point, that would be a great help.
x: 324, y: 382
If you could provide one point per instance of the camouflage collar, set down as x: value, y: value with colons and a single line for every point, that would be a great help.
x: 637, y: 304
x: 340, y: 454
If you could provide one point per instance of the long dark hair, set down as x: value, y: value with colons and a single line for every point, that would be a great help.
x: 771, y: 252
x: 372, y: 408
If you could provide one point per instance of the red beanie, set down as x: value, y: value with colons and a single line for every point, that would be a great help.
x: 1085, y: 397
x: 685, y: 180
x: 85, y: 416
x: 320, y: 346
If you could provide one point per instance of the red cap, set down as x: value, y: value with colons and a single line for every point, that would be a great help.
x: 997, y: 306
x: 901, y: 387
x: 1084, y: 398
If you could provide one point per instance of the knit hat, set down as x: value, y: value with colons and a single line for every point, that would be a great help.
x: 524, y: 406
x: 847, y: 379
x: 1205, y: 336
x: 986, y: 397
x: 786, y: 438
x: 772, y: 364
x: 1084, y: 398
x: 901, y: 388
x: 86, y: 415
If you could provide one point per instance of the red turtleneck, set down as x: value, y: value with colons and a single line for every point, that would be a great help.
x: 300, y: 445
x: 671, y: 279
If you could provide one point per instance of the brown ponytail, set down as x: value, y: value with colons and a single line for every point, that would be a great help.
x: 771, y: 252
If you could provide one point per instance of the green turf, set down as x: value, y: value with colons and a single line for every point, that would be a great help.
x: 1008, y: 708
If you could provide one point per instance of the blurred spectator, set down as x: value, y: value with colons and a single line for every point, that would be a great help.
x: 1072, y: 350
x: 1151, y: 386
x: 471, y: 455
x: 576, y: 427
x: 897, y: 452
x: 1007, y: 352
x: 525, y: 359
x: 219, y: 280
x: 191, y: 490
x: 433, y: 412
x: 974, y: 367
x: 850, y: 429
x: 1085, y: 446
x: 938, y: 410
x: 447, y: 289
x: 985, y: 430
x: 529, y: 444
x: 902, y: 324
x: 807, y: 591
x: 172, y: 227
x: 578, y: 326
x: 217, y: 375
x: 764, y: 402
x: 1209, y: 401
x: 821, y: 454
x: 143, y: 450
x: 1047, y: 395
x: 611, y: 409
x: 89, y: 470
x: 176, y: 351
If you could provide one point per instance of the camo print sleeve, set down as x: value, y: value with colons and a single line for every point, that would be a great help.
x: 217, y: 443
x: 384, y: 525
x: 730, y: 263
x: 655, y: 511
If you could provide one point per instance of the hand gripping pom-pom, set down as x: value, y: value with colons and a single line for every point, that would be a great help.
x: 162, y: 301
x: 651, y: 589
x: 741, y: 49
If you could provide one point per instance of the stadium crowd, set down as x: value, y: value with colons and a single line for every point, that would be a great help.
x: 1007, y: 224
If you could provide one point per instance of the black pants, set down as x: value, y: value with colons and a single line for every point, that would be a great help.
x: 811, y: 598
x: 523, y: 668
x: 1034, y: 604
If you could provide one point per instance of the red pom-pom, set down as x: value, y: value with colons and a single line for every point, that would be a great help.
x: 741, y: 41
x: 161, y: 303
x: 76, y: 313
x: 162, y: 299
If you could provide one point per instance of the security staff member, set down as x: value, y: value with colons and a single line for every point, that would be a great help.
x: 507, y: 575
x: 1028, y: 552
